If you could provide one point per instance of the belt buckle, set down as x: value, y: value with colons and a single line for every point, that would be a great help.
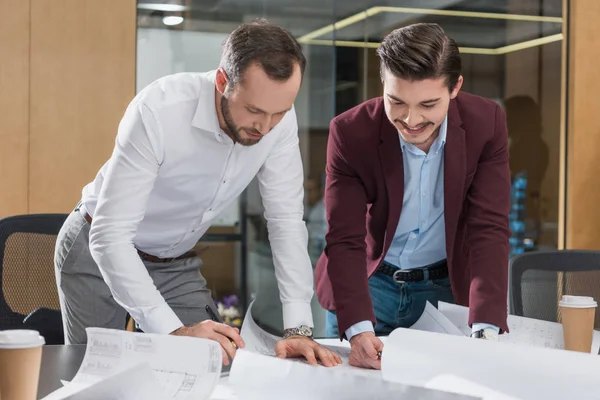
x: 396, y: 277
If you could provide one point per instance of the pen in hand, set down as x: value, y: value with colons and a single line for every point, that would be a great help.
x: 214, y: 317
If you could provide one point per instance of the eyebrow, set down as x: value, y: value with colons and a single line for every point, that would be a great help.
x: 264, y: 112
x: 423, y: 102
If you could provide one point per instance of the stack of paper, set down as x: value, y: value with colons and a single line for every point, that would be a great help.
x: 258, y: 377
x: 126, y: 365
x: 525, y: 372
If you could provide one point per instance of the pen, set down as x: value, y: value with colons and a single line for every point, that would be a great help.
x: 214, y: 317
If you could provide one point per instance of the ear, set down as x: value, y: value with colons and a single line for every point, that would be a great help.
x: 221, y: 80
x: 456, y: 88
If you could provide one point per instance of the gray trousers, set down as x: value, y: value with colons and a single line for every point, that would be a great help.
x: 86, y: 300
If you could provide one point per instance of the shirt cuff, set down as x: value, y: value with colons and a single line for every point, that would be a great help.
x: 478, y: 326
x: 359, y: 327
x: 161, y: 319
x: 296, y: 314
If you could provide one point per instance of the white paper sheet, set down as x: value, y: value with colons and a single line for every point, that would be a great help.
x: 528, y: 331
x: 183, y: 367
x: 259, y: 341
x: 257, y: 377
x: 454, y: 384
x: 432, y: 320
x: 137, y: 382
x: 255, y: 338
x: 525, y: 372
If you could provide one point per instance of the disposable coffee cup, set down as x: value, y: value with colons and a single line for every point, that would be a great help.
x: 578, y: 322
x: 20, y: 361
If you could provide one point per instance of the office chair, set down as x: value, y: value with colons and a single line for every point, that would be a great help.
x: 28, y: 295
x: 538, y: 280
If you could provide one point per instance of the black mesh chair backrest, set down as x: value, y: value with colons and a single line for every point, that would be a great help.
x: 539, y: 279
x: 27, y: 266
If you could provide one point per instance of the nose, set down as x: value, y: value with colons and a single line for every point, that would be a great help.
x: 412, y: 118
x: 263, y: 125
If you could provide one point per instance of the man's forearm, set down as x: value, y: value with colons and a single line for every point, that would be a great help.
x: 133, y: 288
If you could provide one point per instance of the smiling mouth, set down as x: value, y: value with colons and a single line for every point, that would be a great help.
x: 415, y: 131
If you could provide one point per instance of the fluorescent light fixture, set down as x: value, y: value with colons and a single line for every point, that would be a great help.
x: 162, y: 7
x: 311, y: 37
x: 172, y: 20
x: 463, y: 50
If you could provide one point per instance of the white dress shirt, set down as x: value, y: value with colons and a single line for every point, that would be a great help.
x: 173, y: 170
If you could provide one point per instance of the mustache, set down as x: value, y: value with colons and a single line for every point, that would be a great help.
x: 418, y: 126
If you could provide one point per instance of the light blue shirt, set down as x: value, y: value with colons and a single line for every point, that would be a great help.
x: 420, y: 237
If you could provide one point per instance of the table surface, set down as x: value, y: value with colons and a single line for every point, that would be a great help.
x: 58, y: 362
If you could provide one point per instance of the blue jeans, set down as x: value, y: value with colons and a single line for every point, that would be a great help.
x: 398, y: 305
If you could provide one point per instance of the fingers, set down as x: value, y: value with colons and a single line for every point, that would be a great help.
x: 280, y: 350
x: 364, y: 354
x: 337, y: 357
x: 370, y: 353
x: 225, y: 356
x: 232, y: 333
x: 369, y: 349
x: 326, y: 357
x: 228, y: 348
x: 309, y: 354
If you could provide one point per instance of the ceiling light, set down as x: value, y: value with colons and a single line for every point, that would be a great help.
x: 172, y: 20
x: 162, y: 7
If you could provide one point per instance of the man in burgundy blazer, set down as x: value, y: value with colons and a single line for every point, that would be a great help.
x: 421, y: 110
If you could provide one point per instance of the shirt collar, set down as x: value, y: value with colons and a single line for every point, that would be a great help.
x: 205, y: 116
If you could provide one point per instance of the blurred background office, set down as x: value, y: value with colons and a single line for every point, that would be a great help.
x: 511, y: 51
x: 75, y: 64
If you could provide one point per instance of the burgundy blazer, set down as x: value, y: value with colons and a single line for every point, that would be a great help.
x: 363, y: 198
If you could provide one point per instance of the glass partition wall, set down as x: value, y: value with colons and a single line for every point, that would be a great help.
x: 511, y: 50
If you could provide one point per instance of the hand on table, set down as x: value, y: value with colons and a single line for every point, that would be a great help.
x: 364, y: 350
x: 222, y: 333
x: 302, y: 346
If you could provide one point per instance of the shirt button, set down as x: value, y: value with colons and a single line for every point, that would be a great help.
x: 424, y: 194
x: 413, y: 235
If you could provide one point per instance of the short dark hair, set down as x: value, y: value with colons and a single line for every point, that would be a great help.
x: 420, y: 51
x: 268, y: 45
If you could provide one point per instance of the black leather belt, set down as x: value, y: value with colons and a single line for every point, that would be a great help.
x: 436, y: 270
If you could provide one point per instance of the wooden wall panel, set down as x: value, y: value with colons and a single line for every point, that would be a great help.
x: 14, y: 106
x: 82, y: 78
x: 583, y: 132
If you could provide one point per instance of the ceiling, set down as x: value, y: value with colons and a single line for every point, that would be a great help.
x: 302, y: 17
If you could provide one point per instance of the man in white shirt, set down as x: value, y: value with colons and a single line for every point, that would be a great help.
x: 186, y: 147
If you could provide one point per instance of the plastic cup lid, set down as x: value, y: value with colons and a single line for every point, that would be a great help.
x: 20, y: 339
x: 577, y: 302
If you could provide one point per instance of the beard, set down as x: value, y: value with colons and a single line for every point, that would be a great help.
x: 232, y: 129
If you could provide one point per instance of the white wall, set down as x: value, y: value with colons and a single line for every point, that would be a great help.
x: 163, y: 52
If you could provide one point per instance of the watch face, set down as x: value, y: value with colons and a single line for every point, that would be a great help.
x: 305, y: 330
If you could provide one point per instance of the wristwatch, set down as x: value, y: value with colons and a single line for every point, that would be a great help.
x: 486, y: 333
x: 301, y: 330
